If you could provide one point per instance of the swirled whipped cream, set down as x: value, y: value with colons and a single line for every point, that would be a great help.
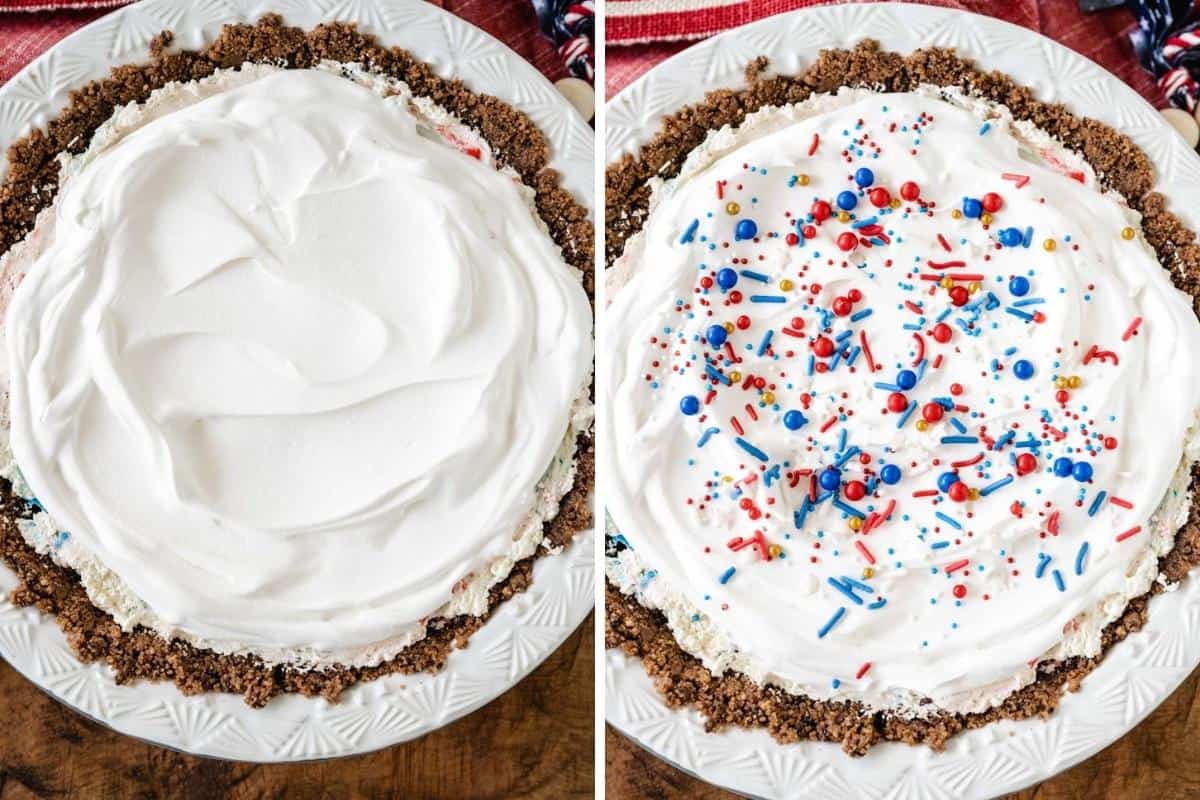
x: 293, y: 366
x: 900, y: 401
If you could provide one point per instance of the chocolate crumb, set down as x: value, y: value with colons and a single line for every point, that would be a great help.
x: 30, y: 186
x: 733, y: 698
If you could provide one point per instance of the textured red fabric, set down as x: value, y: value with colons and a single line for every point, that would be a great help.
x: 24, y: 36
x: 1101, y: 36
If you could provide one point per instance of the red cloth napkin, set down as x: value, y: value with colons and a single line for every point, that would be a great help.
x: 641, y: 33
x: 25, y: 35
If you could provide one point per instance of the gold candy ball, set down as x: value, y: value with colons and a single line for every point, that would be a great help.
x: 728, y: 327
x: 768, y: 397
x: 1128, y: 233
x: 1074, y: 381
x: 855, y: 523
x: 974, y: 286
x: 973, y: 493
x: 1050, y: 245
x: 732, y: 207
x: 922, y: 425
x: 985, y: 218
x: 735, y: 376
x: 802, y: 179
x: 774, y: 550
x: 786, y: 285
x: 843, y: 216
x: 956, y: 214
x: 868, y: 572
x: 895, y: 203
x: 1060, y: 382
x: 946, y: 282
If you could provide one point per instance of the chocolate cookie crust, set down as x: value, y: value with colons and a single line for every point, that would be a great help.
x: 30, y: 186
x: 733, y: 698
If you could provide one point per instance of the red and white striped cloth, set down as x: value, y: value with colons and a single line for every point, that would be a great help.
x: 652, y: 30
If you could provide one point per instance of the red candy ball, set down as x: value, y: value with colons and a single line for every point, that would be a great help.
x: 910, y: 190
x: 991, y: 202
x: 897, y: 402
x: 735, y: 296
x: 746, y: 503
x: 760, y: 383
x: 942, y: 332
x: 798, y: 323
x: 743, y: 322
x: 1062, y: 395
x: 821, y: 211
x: 847, y: 241
x: 959, y: 492
x: 932, y: 412
x: 823, y: 347
x: 879, y: 197
x: 960, y: 591
x: 959, y: 295
x: 855, y: 490
x: 815, y: 288
x: 956, y: 389
x: 809, y: 231
x: 1026, y: 463
x: 855, y: 295
x: 842, y: 306
x: 1110, y: 443
x: 792, y: 239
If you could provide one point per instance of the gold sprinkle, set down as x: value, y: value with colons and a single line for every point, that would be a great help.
x: 985, y: 218
x: 774, y: 550
x: 786, y: 285
x: 802, y: 179
x: 732, y: 207
x: 956, y: 213
x: 855, y: 523
x: 868, y: 572
x: 843, y: 216
x: 922, y: 425
x: 1074, y: 381
x: 1128, y: 233
x: 1050, y: 245
x: 768, y: 397
x: 735, y: 376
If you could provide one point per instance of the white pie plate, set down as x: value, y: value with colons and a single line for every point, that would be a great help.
x: 1138, y: 673
x: 522, y: 633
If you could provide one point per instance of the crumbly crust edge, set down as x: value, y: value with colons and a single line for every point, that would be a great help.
x: 31, y: 185
x: 733, y: 698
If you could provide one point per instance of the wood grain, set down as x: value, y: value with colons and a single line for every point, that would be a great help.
x: 1158, y: 760
x: 534, y: 741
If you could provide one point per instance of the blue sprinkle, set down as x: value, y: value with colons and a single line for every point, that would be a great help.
x: 862, y: 587
x: 1080, y: 557
x: 1043, y: 560
x: 726, y: 575
x: 751, y: 449
x: 887, y: 387
x: 704, y: 437
x: 801, y: 513
x: 846, y: 590
x: 960, y: 440
x: 846, y: 508
x: 828, y: 626
x: 908, y: 413
x: 853, y: 356
x: 1027, y: 239
x: 766, y: 342
x: 878, y: 604
x: 690, y: 233
x: 843, y: 336
x: 767, y: 298
x: 756, y: 276
x: 951, y: 521
x: 861, y: 315
x: 862, y: 223
x: 1029, y: 301
x: 940, y: 545
x: 1099, y: 501
x: 986, y: 127
x: 1058, y: 581
x: 1016, y: 312
x: 1004, y: 439
x: 712, y: 373
x: 958, y: 426
x: 991, y: 487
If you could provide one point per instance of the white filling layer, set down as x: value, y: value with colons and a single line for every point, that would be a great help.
x: 294, y: 373
x: 964, y: 653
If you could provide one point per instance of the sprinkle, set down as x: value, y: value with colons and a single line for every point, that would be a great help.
x: 712, y: 373
x: 968, y: 463
x: 991, y: 487
x: 862, y: 587
x: 862, y: 337
x: 846, y: 508
x: 951, y: 521
x: 947, y: 265
x: 846, y: 590
x: 1029, y: 301
x: 737, y: 426
x: 829, y: 423
x: 939, y: 545
x: 878, y: 604
x: 705, y: 436
x: 1099, y: 501
x: 1116, y: 501
x: 1019, y: 180
x: 908, y: 413
x: 887, y: 387
x: 1016, y: 312
x: 958, y: 439
x: 1052, y: 523
x: 866, y: 553
x: 767, y: 298
x: 816, y: 142
x: 986, y: 127
x: 958, y: 426
x: 800, y: 513
x: 766, y: 342
x: 1131, y: 330
x: 751, y: 449
x: 690, y: 233
x: 862, y: 671
x: 863, y: 223
x: 858, y: 316
x: 1134, y: 531
x: 1079, y: 558
x: 837, y: 615
x: 849, y: 454
x: 791, y: 332
x: 957, y: 565
x: 1058, y: 581
x: 756, y: 276
x: 1043, y: 560
x: 942, y: 241
x: 1007, y: 437
x: 726, y: 575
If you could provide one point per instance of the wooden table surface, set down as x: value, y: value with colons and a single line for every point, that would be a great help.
x: 1157, y: 760
x: 534, y: 741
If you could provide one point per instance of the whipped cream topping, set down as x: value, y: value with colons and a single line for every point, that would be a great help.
x: 289, y: 371
x: 903, y: 454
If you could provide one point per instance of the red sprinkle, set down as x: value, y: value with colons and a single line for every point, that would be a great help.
x: 1116, y: 501
x: 1131, y: 330
x: 829, y: 423
x: 862, y: 671
x: 1134, y: 531
x: 862, y: 548
x: 737, y: 426
x: 816, y: 142
x: 1019, y: 180
x: 942, y: 241
x: 957, y: 565
x: 968, y: 463
x: 862, y: 336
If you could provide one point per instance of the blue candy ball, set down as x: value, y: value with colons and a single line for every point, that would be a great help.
x: 746, y: 229
x: 1082, y: 471
x: 890, y: 474
x: 727, y: 278
x: 1063, y: 466
x: 830, y: 479
x: 906, y: 379
x: 793, y: 420
x: 1010, y: 237
x: 971, y: 207
x: 847, y: 200
x: 1019, y: 286
x: 690, y: 404
x: 1023, y: 369
x: 716, y: 335
x: 946, y: 480
x: 864, y: 177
